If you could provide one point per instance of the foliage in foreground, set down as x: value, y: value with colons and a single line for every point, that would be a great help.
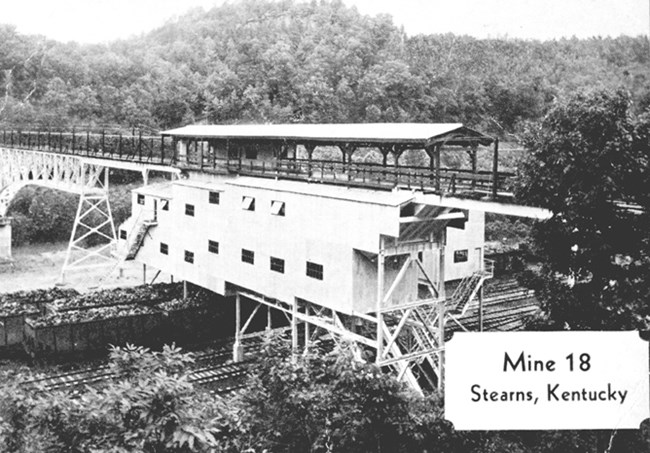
x: 590, y: 165
x: 317, y: 402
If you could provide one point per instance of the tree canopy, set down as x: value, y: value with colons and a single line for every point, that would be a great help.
x: 590, y: 165
x: 317, y: 61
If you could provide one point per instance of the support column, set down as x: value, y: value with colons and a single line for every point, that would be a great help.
x: 269, y: 324
x: 238, y: 349
x: 306, y: 329
x: 294, y: 326
x: 379, y: 302
x: 93, y: 200
x: 185, y: 294
x: 5, y: 239
x: 144, y: 274
x: 441, y: 265
x: 495, y: 169
x: 480, y: 309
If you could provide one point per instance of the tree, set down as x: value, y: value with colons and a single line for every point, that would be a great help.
x: 589, y: 164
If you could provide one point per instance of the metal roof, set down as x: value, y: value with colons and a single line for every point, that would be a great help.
x: 423, y: 134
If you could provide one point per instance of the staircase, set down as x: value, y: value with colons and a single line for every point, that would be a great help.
x: 136, y: 238
x: 468, y: 288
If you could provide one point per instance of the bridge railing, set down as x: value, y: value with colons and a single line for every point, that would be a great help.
x: 448, y: 180
x: 160, y: 150
x: 135, y: 148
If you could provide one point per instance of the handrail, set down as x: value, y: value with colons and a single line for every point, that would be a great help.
x: 148, y: 149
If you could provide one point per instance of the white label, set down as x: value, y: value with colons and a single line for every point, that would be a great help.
x: 546, y: 380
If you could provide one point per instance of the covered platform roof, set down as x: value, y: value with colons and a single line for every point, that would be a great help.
x: 409, y: 134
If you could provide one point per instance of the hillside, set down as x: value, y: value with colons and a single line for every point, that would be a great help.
x: 304, y: 62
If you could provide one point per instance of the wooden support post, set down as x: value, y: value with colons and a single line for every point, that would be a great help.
x: 185, y: 290
x: 306, y: 328
x: 495, y: 169
x: 140, y: 145
x: 269, y: 322
x: 162, y: 149
x: 480, y: 309
x: 441, y: 264
x: 294, y: 326
x: 441, y: 342
x: 144, y: 274
x: 310, y: 153
x: 436, y: 169
x: 473, y: 157
x: 238, y: 349
x: 380, y: 298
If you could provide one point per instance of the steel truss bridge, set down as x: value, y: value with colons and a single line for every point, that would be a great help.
x: 68, y: 164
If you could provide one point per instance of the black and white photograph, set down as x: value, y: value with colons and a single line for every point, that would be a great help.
x: 319, y: 226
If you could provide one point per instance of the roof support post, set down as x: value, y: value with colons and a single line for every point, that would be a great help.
x: 473, y: 158
x: 310, y: 152
x: 434, y: 165
x: 495, y: 169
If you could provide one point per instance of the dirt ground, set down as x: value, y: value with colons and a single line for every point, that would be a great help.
x: 39, y: 266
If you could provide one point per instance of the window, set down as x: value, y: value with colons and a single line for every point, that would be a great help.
x: 164, y: 248
x: 214, y: 198
x: 277, y: 208
x: 189, y: 210
x: 165, y: 205
x: 122, y: 234
x: 140, y: 198
x: 461, y: 256
x: 248, y: 256
x: 213, y: 247
x: 277, y: 265
x: 189, y: 257
x: 248, y: 203
x: 314, y: 270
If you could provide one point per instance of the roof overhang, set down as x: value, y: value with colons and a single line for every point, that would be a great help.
x: 420, y: 135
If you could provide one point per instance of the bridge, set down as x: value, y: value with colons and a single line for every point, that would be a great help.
x: 76, y: 164
x: 357, y: 217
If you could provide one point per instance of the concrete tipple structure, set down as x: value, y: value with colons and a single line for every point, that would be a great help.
x: 325, y: 223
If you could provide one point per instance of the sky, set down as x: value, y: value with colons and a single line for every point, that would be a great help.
x: 95, y: 21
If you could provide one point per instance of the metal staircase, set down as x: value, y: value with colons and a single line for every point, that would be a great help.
x: 468, y: 289
x: 136, y: 239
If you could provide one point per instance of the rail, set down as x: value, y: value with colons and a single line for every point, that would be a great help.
x: 132, y: 148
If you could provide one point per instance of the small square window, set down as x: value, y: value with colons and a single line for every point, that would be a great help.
x: 248, y: 256
x: 122, y: 234
x: 140, y: 198
x: 165, y: 205
x: 213, y: 247
x: 189, y: 257
x: 189, y: 210
x: 214, y: 198
x: 248, y: 203
x: 461, y: 256
x: 277, y: 265
x: 314, y: 270
x: 164, y: 248
x: 277, y: 208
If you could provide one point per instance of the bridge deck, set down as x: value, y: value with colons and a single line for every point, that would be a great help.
x: 161, y: 151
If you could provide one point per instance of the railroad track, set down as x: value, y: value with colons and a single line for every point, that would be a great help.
x: 506, y: 310
x: 216, y: 366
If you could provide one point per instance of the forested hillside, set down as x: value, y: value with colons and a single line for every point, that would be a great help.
x: 322, y: 61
